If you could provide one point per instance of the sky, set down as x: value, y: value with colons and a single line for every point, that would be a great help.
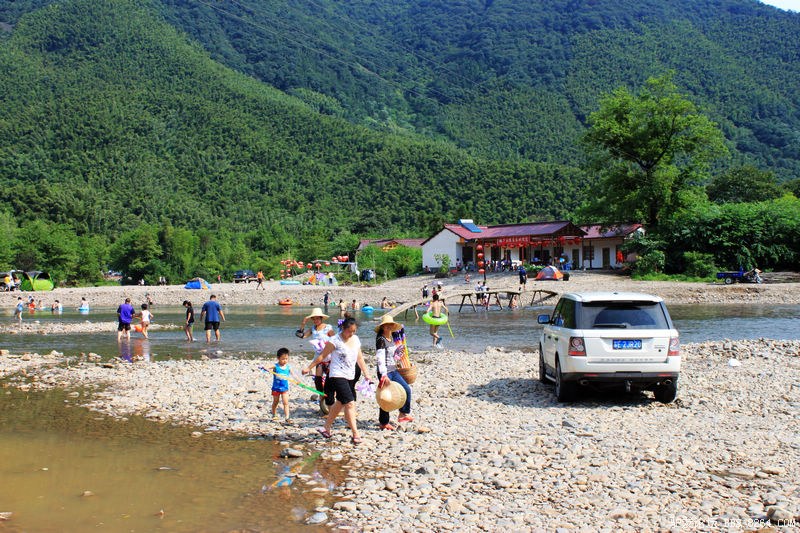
x: 793, y: 5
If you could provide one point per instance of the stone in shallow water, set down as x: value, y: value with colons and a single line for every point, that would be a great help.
x: 317, y: 518
x: 291, y: 452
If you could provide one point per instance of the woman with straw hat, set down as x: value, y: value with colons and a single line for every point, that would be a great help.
x: 319, y: 332
x: 387, y: 369
x: 345, y: 353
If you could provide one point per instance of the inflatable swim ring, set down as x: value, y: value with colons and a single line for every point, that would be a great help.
x: 285, y: 301
x: 367, y: 309
x: 83, y: 309
x: 434, y: 321
x: 137, y: 328
x: 290, y: 282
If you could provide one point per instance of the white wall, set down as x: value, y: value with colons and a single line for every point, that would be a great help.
x: 444, y: 242
x: 598, y: 245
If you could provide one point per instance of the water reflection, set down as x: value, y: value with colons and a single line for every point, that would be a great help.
x: 134, y: 350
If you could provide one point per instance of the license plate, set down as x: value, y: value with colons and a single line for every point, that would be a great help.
x: 627, y: 344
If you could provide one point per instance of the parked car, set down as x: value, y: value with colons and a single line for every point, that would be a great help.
x: 605, y: 339
x: 244, y: 276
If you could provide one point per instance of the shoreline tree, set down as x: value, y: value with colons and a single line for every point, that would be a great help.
x: 651, y: 152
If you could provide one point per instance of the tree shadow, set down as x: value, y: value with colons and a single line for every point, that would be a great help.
x: 530, y: 392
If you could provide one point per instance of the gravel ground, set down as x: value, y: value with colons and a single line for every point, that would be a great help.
x: 490, y: 448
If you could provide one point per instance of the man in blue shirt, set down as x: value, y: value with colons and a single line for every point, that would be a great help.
x: 212, y: 313
x: 125, y: 313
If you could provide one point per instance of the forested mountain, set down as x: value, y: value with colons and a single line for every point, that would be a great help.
x: 109, y: 117
x: 515, y: 78
x: 511, y: 78
x: 276, y: 124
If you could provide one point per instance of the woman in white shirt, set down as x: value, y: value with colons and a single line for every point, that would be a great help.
x: 387, y: 369
x: 345, y: 354
x: 320, y: 332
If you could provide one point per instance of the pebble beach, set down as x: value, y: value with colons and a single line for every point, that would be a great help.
x: 490, y: 448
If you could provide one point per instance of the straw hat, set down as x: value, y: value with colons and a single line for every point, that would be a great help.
x: 317, y: 311
x: 387, y: 319
x: 391, y: 397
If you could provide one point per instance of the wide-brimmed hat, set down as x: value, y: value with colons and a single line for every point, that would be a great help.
x: 388, y: 320
x: 317, y: 311
x: 391, y: 397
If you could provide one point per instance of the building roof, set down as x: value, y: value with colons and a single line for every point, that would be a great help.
x: 411, y: 243
x: 596, y: 231
x: 532, y: 229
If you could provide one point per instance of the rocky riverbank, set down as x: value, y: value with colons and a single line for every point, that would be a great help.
x: 491, y: 449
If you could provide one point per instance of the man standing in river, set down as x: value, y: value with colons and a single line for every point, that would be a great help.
x: 211, y: 314
x: 125, y: 314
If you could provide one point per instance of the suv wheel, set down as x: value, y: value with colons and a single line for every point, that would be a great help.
x: 565, y: 390
x: 542, y: 373
x: 666, y: 393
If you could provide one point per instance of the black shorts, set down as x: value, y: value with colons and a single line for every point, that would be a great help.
x: 340, y: 389
x: 212, y: 325
x: 123, y: 326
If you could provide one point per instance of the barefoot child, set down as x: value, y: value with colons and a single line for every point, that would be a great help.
x: 280, y: 387
x: 146, y: 317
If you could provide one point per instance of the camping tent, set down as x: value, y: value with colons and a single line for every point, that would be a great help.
x: 36, y: 281
x: 549, y: 272
x: 197, y: 283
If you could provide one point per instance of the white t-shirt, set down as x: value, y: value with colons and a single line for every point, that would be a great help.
x: 344, y: 357
x: 321, y: 335
x: 146, y: 315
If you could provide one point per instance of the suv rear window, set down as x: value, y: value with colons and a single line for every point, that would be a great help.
x: 623, y: 315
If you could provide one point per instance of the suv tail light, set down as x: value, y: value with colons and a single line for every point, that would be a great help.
x: 576, y: 347
x: 674, y: 347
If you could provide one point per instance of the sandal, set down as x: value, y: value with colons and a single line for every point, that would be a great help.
x: 405, y: 418
x: 388, y: 427
x: 324, y: 432
x: 356, y: 440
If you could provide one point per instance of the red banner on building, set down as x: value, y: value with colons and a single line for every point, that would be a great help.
x: 514, y: 241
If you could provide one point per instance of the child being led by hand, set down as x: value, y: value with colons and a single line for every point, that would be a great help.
x: 280, y: 385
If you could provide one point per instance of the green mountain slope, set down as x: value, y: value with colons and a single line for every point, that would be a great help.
x: 110, y: 118
x: 515, y: 78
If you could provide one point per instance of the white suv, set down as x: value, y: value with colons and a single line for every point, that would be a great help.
x: 604, y: 339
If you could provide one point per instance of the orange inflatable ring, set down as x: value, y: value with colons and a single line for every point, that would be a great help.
x: 285, y: 301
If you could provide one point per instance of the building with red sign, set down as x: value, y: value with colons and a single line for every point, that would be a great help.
x: 558, y: 242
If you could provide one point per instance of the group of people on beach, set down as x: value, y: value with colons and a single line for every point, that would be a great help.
x: 337, y: 367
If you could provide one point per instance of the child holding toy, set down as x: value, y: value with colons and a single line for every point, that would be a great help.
x: 281, y: 374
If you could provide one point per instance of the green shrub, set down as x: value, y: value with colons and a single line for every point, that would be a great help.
x: 699, y: 264
x: 651, y: 262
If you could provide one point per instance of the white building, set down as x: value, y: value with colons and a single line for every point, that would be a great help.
x: 559, y: 242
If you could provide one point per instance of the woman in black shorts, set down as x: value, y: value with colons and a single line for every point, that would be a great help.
x: 346, y: 355
x: 187, y: 327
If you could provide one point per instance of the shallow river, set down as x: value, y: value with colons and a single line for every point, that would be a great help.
x: 51, y: 454
x: 252, y: 332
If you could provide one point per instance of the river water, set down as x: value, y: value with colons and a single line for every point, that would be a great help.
x: 256, y: 332
x: 52, y: 453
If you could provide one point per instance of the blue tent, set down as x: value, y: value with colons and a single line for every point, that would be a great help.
x: 197, y: 283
